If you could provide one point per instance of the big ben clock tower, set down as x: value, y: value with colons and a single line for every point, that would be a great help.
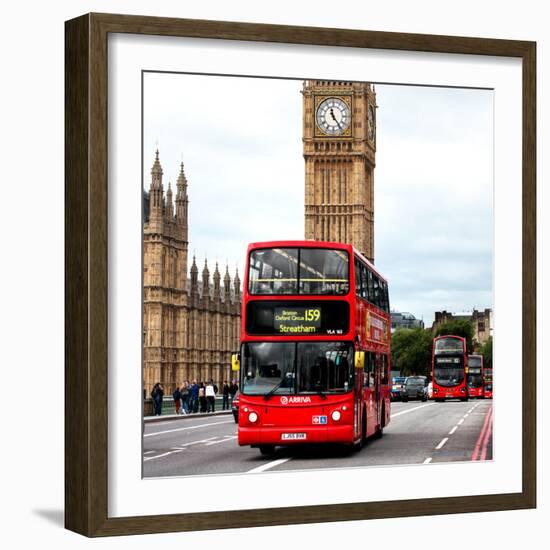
x: 339, y: 136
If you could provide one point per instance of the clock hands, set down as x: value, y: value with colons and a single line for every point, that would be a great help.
x: 334, y: 118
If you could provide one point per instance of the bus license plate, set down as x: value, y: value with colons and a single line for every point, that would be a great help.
x: 294, y: 436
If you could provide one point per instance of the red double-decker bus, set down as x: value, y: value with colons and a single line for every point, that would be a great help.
x: 474, y: 376
x: 488, y: 383
x: 449, y: 368
x: 315, y: 346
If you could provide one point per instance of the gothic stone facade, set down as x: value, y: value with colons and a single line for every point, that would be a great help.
x: 482, y: 322
x: 339, y: 141
x: 190, y: 327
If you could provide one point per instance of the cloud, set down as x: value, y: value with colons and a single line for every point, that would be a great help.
x: 240, y: 141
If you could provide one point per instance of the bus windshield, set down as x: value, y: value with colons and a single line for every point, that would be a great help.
x: 310, y: 271
x: 449, y: 345
x: 448, y: 371
x: 475, y: 380
x: 474, y: 361
x: 283, y: 368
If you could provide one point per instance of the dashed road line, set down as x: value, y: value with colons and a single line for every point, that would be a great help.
x: 410, y: 410
x: 460, y: 422
x: 226, y: 438
x: 453, y: 430
x: 155, y: 457
x: 428, y: 460
x: 443, y: 441
x: 268, y: 465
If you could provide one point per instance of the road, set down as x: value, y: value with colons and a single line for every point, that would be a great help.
x: 418, y: 433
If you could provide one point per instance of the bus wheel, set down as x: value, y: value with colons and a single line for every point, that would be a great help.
x: 267, y: 450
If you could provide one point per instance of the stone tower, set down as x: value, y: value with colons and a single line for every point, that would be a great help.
x: 189, y: 329
x: 339, y: 137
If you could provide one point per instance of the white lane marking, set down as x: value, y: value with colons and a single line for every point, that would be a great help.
x: 227, y: 438
x: 460, y: 421
x: 158, y: 456
x: 188, y: 428
x: 442, y: 443
x: 453, y: 430
x: 410, y: 410
x: 268, y: 465
x: 466, y: 415
x: 148, y: 452
x: 428, y: 460
x: 183, y: 445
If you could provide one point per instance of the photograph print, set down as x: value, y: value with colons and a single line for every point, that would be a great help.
x: 317, y: 274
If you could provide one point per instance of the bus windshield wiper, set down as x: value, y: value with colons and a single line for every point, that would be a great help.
x: 273, y: 389
x: 321, y: 394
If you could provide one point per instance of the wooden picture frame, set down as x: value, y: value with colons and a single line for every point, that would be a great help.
x: 86, y: 281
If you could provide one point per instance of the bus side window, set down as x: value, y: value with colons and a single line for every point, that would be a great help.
x: 368, y: 374
x: 384, y: 369
x: 376, y: 285
x: 365, y: 279
x: 384, y: 296
x: 370, y: 286
x: 357, y: 278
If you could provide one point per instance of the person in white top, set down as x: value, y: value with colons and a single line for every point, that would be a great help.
x: 211, y: 391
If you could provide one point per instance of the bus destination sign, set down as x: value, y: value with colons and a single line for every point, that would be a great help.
x: 297, y: 317
x: 297, y: 320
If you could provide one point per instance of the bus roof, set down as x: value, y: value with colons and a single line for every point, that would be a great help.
x: 310, y: 243
x: 449, y: 336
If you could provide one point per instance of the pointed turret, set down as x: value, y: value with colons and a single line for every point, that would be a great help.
x: 205, y: 280
x: 194, y: 277
x: 169, y: 212
x: 156, y: 172
x: 237, y: 283
x: 156, y: 191
x: 217, y: 280
x: 182, y: 201
x: 227, y: 285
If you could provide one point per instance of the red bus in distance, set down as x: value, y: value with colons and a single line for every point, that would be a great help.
x: 449, y: 368
x: 488, y: 383
x: 314, y: 358
x: 474, y: 371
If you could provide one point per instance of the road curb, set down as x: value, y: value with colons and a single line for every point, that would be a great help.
x: 167, y: 417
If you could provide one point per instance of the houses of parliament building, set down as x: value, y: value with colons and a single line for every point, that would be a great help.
x: 191, y: 324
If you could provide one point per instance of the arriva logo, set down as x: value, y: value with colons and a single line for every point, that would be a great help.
x: 295, y: 399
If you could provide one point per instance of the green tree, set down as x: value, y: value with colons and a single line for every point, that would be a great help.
x: 411, y: 351
x: 458, y: 327
x: 487, y: 352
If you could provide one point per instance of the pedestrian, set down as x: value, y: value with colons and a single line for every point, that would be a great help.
x: 210, y: 392
x: 157, y: 394
x: 194, y: 397
x: 225, y: 393
x: 233, y: 388
x: 177, y: 399
x: 202, y: 397
x: 184, y: 395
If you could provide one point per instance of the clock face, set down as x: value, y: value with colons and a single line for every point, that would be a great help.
x: 333, y: 116
x: 371, y: 123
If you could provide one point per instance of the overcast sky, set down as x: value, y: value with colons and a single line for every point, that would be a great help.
x: 240, y: 142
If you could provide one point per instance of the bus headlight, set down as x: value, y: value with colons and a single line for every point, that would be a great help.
x: 336, y: 415
x: 252, y: 417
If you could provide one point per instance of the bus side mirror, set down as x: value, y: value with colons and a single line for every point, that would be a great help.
x: 359, y: 359
x: 235, y: 362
